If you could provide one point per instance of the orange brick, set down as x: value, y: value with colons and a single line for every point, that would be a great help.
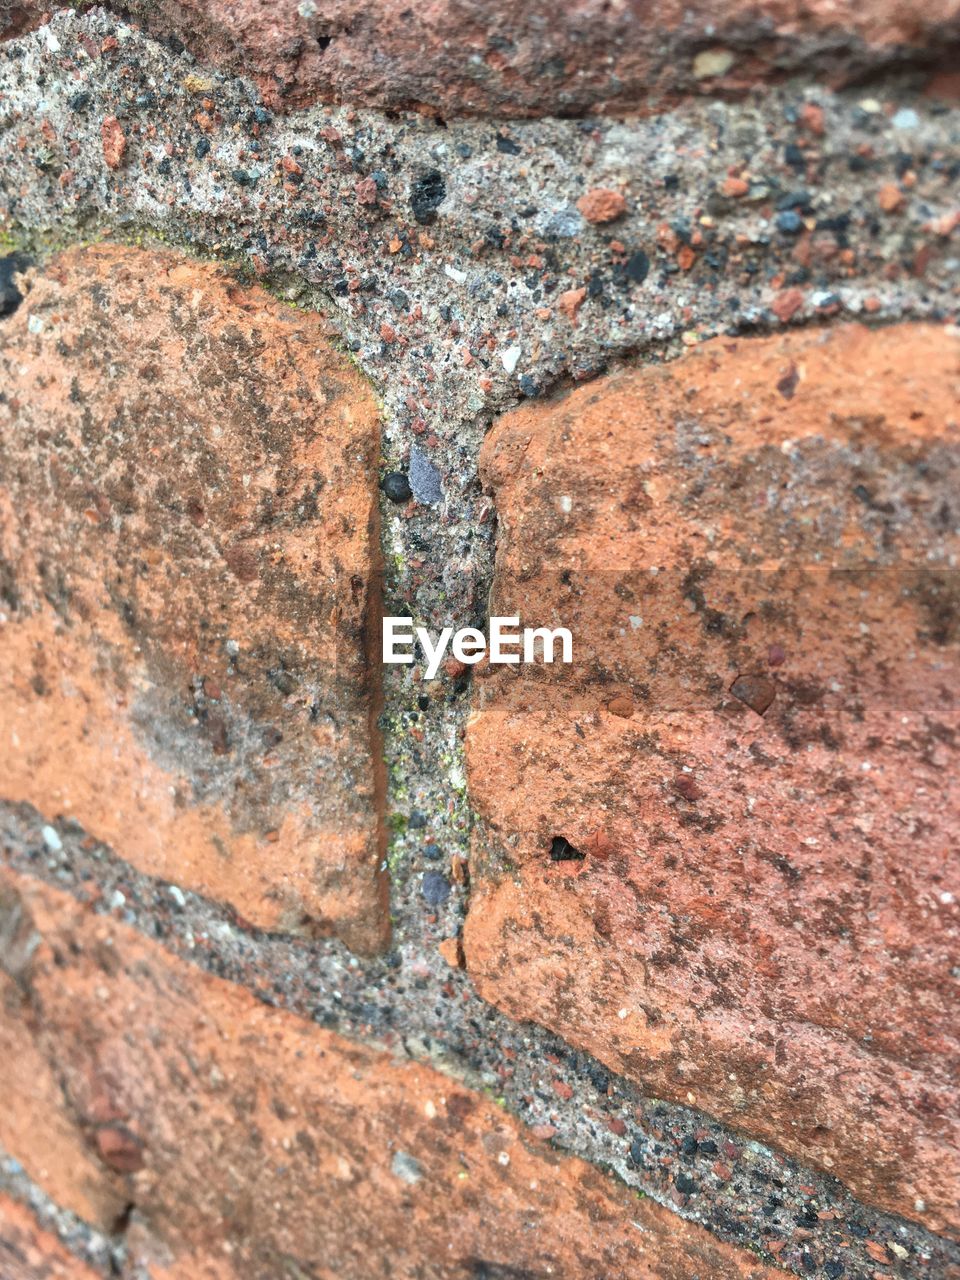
x: 188, y: 524
x: 37, y: 1128
x: 271, y: 1146
x: 755, y: 549
x: 27, y: 1252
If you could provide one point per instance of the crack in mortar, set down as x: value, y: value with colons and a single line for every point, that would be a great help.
x: 442, y: 253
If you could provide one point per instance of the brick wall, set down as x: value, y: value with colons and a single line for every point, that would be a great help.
x: 639, y: 322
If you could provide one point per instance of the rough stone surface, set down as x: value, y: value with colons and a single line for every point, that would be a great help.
x: 266, y: 1145
x: 29, y: 1253
x: 456, y: 57
x: 459, y: 265
x: 188, y: 502
x: 410, y: 1002
x: 753, y: 761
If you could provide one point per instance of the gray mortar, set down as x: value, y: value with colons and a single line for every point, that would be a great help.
x: 499, y: 206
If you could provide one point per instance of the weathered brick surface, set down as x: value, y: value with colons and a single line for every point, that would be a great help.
x: 27, y: 1252
x: 462, y: 56
x: 254, y: 1144
x: 187, y: 532
x: 761, y: 919
x: 35, y: 1123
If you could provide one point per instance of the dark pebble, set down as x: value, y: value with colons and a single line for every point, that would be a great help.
x: 599, y: 1079
x: 794, y: 200
x: 833, y: 1268
x: 789, y: 223
x: 396, y: 486
x: 417, y: 819
x: 638, y: 266
x: 507, y: 145
x: 243, y: 178
x: 684, y: 1183
x: 636, y: 1151
x: 435, y: 889
x: 202, y: 149
x: 689, y: 1146
x: 432, y: 851
x: 794, y: 157
x: 426, y: 193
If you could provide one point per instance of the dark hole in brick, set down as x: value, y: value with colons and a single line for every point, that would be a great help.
x: 756, y: 691
x: 10, y: 295
x: 561, y: 850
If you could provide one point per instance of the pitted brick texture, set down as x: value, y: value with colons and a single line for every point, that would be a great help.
x: 188, y: 501
x: 256, y: 1144
x: 463, y: 56
x: 754, y: 757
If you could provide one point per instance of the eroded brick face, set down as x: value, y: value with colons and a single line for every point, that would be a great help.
x: 451, y: 56
x: 188, y: 533
x: 258, y: 1144
x: 719, y: 851
x: 27, y: 1252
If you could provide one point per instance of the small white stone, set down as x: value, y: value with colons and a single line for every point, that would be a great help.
x: 712, y: 62
x: 35, y: 324
x: 635, y: 622
x: 405, y: 1167
x: 947, y: 899
x: 906, y: 118
x: 455, y: 274
x: 509, y: 358
x: 51, y: 839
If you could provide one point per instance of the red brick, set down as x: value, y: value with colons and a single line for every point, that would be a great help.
x: 27, y: 1252
x: 271, y: 1146
x: 762, y: 922
x: 466, y: 56
x: 188, y: 533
